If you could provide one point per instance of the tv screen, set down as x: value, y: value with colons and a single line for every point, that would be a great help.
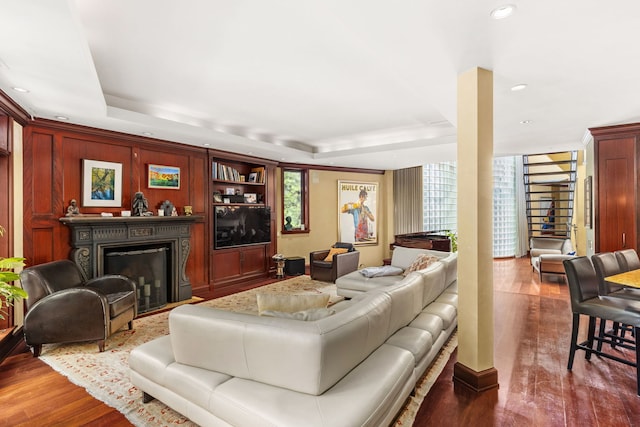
x: 242, y: 225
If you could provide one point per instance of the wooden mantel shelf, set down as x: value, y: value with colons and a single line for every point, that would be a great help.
x: 97, y: 219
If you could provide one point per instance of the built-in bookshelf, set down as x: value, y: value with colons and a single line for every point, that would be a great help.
x: 238, y: 183
x: 243, y: 219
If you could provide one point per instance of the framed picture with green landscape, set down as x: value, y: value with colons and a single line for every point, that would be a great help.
x: 101, y: 183
x: 164, y: 177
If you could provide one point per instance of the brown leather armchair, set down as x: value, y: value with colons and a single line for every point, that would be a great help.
x: 64, y: 307
x: 329, y: 271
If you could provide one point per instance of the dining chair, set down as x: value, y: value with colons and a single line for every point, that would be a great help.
x: 606, y: 264
x: 628, y: 259
x: 585, y: 300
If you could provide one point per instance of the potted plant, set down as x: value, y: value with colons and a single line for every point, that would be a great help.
x: 8, y: 292
x: 453, y: 236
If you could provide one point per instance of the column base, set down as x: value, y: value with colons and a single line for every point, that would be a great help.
x: 475, y: 381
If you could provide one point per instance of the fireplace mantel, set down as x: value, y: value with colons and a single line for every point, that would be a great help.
x: 90, y: 235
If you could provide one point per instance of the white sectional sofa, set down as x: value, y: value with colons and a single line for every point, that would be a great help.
x: 355, y: 367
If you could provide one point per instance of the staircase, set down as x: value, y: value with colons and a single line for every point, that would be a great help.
x: 550, y: 183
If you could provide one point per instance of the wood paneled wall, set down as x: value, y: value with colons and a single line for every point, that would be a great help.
x: 53, y: 155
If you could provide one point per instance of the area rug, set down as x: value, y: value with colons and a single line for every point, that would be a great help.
x: 106, y: 375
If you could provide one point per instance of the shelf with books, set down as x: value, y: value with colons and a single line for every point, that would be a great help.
x: 242, y: 188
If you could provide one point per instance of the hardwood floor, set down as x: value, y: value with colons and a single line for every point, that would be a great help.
x: 532, y: 332
x: 532, y: 335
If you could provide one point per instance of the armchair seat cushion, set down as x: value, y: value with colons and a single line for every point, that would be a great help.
x: 322, y: 263
x: 120, y: 302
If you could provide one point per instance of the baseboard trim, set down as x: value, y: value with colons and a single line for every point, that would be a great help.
x: 475, y: 381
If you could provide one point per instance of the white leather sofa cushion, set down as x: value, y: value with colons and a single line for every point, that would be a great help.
x: 429, y: 322
x: 359, y: 283
x: 451, y: 265
x: 351, y: 402
x: 406, y: 301
x: 308, y: 357
x: 448, y: 298
x: 417, y: 341
x: 152, y: 367
x: 446, y: 312
x: 433, y: 278
x: 154, y: 360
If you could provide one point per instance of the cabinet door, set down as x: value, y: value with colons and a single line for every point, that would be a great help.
x: 253, y: 260
x: 616, y: 195
x: 226, y: 264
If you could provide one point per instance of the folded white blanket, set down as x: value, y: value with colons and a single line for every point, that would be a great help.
x: 385, y: 270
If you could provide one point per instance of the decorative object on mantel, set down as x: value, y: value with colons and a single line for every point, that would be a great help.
x: 73, y: 210
x: 140, y: 206
x: 168, y: 208
x: 188, y: 210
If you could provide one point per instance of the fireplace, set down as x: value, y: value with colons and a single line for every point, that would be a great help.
x: 147, y: 266
x: 152, y: 251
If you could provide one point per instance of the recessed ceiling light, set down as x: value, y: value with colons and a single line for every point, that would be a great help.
x: 518, y: 87
x: 206, y: 144
x: 147, y: 133
x: 20, y: 89
x: 525, y: 122
x: 62, y: 117
x: 503, y: 11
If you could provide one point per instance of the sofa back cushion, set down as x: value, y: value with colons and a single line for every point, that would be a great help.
x: 451, y: 266
x: 406, y: 301
x: 433, y: 282
x: 307, y: 357
x: 403, y: 257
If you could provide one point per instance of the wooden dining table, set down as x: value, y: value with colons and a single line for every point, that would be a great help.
x: 629, y: 278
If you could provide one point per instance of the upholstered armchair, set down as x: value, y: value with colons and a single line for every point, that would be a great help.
x: 549, y: 253
x: 328, y: 269
x: 64, y: 307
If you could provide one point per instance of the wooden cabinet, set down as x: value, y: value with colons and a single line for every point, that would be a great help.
x: 243, y: 234
x: 616, y: 187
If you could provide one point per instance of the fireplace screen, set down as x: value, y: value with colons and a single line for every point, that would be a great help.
x: 147, y: 268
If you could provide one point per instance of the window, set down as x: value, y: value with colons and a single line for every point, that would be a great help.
x: 439, y: 199
x: 504, y: 207
x: 295, y: 200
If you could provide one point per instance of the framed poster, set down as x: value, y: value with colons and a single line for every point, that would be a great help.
x: 358, y: 212
x: 101, y: 183
x: 164, y: 177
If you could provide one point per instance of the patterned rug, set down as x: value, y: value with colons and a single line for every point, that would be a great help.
x: 106, y: 375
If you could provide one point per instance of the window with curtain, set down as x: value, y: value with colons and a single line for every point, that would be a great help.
x: 439, y: 190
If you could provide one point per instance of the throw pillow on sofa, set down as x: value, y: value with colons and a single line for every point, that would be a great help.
x: 291, y: 303
x: 335, y: 251
x: 421, y: 262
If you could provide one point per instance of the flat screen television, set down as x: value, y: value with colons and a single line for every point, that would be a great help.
x: 242, y: 225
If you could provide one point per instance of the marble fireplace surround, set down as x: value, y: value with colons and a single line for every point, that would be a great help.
x: 91, y: 235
